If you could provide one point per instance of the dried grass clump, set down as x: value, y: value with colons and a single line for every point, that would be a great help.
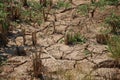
x: 102, y: 38
x: 37, y: 66
x: 72, y: 38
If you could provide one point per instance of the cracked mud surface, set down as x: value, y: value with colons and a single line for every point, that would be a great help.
x: 61, y: 60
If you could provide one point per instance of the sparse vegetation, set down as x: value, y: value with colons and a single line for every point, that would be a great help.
x: 4, y: 24
x: 114, y: 22
x: 84, y: 9
x: 114, y: 47
x: 72, y: 38
x: 31, y: 32
x: 113, y: 2
x: 63, y: 4
x: 90, y: 8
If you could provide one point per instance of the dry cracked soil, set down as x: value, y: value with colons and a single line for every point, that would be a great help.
x: 60, y: 61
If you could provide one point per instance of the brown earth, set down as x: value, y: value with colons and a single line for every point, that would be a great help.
x: 62, y: 62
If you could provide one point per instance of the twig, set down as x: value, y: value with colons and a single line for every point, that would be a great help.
x: 49, y: 54
x: 20, y: 64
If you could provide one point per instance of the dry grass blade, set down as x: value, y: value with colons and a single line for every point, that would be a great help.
x: 37, y: 66
x: 34, y: 38
x: 49, y: 54
x: 24, y: 39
